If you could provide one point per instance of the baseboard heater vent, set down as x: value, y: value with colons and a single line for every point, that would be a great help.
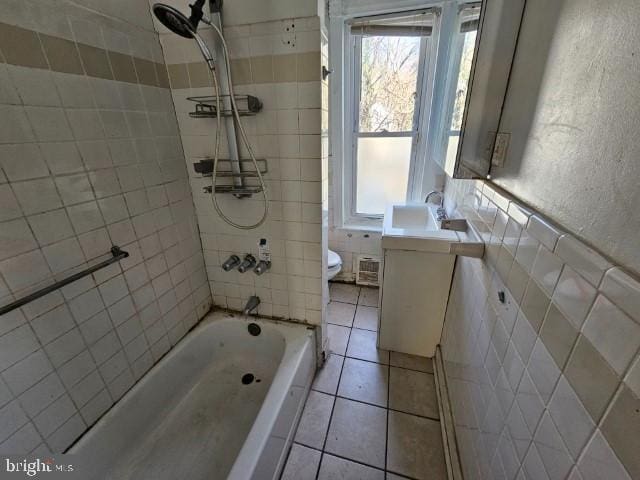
x: 368, y: 271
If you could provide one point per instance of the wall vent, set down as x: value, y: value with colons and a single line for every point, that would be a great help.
x: 368, y: 271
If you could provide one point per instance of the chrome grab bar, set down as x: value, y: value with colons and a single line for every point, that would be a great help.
x: 117, y: 255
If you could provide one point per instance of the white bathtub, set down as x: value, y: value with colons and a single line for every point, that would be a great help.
x: 192, y: 417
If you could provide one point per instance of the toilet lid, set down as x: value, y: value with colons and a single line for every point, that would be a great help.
x: 334, y: 259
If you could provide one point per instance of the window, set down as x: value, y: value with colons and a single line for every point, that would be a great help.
x: 397, y: 96
x: 390, y: 56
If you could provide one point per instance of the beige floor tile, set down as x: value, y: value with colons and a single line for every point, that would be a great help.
x: 413, y: 362
x: 334, y: 468
x: 314, y: 422
x: 413, y: 392
x: 362, y: 345
x: 344, y: 292
x: 302, y: 463
x: 357, y: 432
x: 368, y: 297
x: 339, y: 313
x: 366, y: 318
x: 338, y: 338
x: 364, y: 381
x: 328, y: 376
x: 415, y: 447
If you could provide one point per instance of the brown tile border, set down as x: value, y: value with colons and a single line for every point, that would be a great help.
x: 28, y: 48
x: 292, y: 67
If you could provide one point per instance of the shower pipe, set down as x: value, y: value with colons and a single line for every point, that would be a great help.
x: 179, y: 24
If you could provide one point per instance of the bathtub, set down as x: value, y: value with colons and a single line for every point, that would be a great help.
x: 224, y: 403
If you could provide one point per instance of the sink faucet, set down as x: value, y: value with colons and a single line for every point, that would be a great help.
x: 441, y: 212
x: 435, y: 192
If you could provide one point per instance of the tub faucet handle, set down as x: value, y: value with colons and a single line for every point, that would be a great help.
x: 232, y: 262
x: 248, y: 263
x: 262, y: 267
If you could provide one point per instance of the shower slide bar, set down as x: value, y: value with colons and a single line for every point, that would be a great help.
x: 116, y: 255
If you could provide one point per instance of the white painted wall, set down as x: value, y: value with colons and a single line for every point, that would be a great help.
x: 573, y: 109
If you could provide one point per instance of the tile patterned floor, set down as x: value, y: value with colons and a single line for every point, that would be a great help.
x: 371, y: 414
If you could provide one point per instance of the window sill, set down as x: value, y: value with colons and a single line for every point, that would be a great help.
x: 374, y: 226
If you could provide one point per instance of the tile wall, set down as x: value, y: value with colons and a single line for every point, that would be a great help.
x: 545, y: 385
x: 280, y: 63
x: 90, y: 156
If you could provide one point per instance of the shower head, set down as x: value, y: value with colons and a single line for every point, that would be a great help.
x: 179, y: 24
x: 176, y: 21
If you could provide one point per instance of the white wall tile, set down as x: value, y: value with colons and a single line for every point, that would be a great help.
x: 41, y: 395
x: 37, y: 196
x: 584, y: 260
x: 22, y: 162
x: 15, y: 238
x: 12, y: 417
x: 21, y: 442
x: 552, y: 450
x: 65, y: 347
x: 55, y: 415
x: 574, y: 296
x: 612, y: 333
x: 546, y: 269
x: 543, y: 231
x: 600, y: 462
x: 51, y: 227
x: 623, y: 290
x: 16, y: 345
x: 27, y: 372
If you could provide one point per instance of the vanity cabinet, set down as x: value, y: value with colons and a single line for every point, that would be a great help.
x: 414, y: 294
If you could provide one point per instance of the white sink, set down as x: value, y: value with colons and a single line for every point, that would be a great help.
x: 414, y: 226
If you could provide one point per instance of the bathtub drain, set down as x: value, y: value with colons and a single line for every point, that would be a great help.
x: 247, y: 378
x: 254, y: 329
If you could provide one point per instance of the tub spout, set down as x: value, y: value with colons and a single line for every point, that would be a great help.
x: 251, y: 305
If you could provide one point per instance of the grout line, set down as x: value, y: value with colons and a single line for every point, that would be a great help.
x: 386, y: 436
x: 354, y: 461
x: 387, y: 408
x: 335, y: 397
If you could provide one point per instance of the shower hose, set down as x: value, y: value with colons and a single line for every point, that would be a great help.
x: 243, y: 135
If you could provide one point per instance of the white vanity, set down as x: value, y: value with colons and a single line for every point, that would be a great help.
x: 418, y: 265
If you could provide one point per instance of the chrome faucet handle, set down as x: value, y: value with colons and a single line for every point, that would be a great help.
x: 261, y: 267
x: 232, y: 262
x: 248, y: 263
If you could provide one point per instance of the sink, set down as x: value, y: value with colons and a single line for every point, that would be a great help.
x: 414, y: 226
x: 413, y: 217
x: 419, y: 258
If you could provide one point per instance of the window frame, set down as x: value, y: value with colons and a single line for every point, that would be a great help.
x: 457, y: 42
x: 349, y: 216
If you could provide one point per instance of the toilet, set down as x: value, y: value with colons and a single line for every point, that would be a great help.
x: 334, y: 264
